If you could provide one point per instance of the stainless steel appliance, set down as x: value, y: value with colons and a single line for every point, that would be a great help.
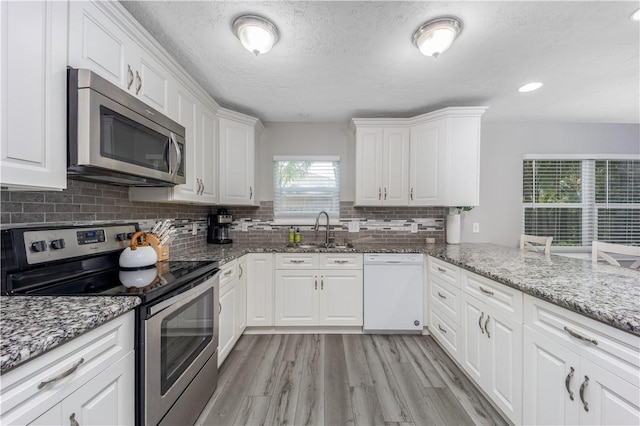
x: 115, y: 138
x: 176, y: 324
x: 218, y: 227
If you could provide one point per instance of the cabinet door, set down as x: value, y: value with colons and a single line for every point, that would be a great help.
x: 473, y: 318
x: 108, y: 399
x: 428, y: 164
x: 341, y: 294
x: 260, y: 289
x: 550, y: 382
x: 395, y: 167
x: 502, y: 350
x: 33, y: 142
x: 241, y: 301
x: 463, y: 161
x: 609, y: 399
x: 296, y: 297
x: 369, y: 166
x: 208, y: 161
x: 52, y: 417
x: 151, y: 81
x: 227, y: 321
x: 187, y: 115
x: 237, y: 145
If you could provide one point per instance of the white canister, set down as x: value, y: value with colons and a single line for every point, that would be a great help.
x: 453, y: 229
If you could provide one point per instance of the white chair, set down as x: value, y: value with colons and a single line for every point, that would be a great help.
x: 528, y: 241
x: 599, y: 250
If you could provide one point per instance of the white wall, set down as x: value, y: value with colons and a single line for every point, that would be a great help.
x: 306, y: 139
x: 503, y: 145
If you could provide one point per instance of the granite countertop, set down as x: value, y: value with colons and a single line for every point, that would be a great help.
x: 32, y: 325
x: 609, y: 294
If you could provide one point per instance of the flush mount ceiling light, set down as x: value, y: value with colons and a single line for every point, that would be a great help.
x: 435, y: 37
x: 257, y: 34
x: 530, y: 87
x: 636, y: 15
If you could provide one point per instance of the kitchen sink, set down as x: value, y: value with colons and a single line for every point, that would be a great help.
x: 319, y: 245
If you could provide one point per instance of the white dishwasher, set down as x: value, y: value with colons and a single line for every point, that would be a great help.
x: 393, y: 293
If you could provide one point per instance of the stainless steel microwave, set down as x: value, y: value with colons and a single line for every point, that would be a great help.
x: 114, y: 137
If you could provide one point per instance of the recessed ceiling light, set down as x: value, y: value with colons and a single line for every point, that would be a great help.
x: 636, y: 15
x: 257, y: 34
x: 530, y: 87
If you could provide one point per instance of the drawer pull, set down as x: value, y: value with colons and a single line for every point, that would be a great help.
x: 70, y: 371
x: 442, y: 295
x: 480, y: 323
x: 442, y: 270
x: 296, y: 261
x: 485, y: 291
x: 226, y: 274
x: 72, y: 420
x: 579, y: 336
x: 441, y: 329
x: 584, y: 384
x: 567, y: 383
x: 486, y: 323
x: 342, y: 262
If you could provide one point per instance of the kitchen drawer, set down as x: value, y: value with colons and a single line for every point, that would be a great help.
x: 506, y: 299
x: 445, y: 271
x: 446, y: 298
x: 613, y: 349
x: 340, y: 261
x: 296, y: 261
x: 98, y: 349
x: 446, y: 333
x: 228, y: 273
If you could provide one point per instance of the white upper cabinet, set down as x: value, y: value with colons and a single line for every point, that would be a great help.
x: 236, y: 138
x: 98, y: 41
x: 429, y: 160
x: 382, y: 164
x: 33, y: 146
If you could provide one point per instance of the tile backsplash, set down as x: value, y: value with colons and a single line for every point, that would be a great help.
x: 87, y: 202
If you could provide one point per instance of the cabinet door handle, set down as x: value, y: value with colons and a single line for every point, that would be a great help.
x: 441, y: 270
x: 228, y: 272
x: 316, y: 284
x: 442, y: 295
x: 579, y: 336
x: 480, y: 322
x: 379, y: 194
x: 219, y: 308
x: 321, y: 283
x: 72, y: 420
x: 486, y: 323
x: 584, y: 384
x: 241, y: 271
x: 138, y: 83
x: 129, y: 77
x: 411, y: 194
x: 341, y: 262
x: 441, y: 329
x: 250, y: 192
x: 485, y: 291
x: 385, y: 193
x: 61, y: 376
x: 567, y: 383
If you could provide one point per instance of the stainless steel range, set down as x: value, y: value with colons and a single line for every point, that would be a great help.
x: 176, y: 324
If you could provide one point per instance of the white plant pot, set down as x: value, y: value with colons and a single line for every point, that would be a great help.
x: 453, y: 229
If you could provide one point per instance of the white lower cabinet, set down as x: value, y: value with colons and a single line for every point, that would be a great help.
x: 228, y: 304
x: 89, y: 379
x: 260, y: 290
x: 241, y: 302
x: 578, y: 370
x: 327, y: 297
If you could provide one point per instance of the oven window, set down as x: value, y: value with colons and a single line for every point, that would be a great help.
x: 185, y: 333
x: 125, y: 140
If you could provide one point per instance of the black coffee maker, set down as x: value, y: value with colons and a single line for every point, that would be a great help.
x: 218, y: 227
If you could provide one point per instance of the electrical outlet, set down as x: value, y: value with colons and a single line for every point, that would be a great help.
x: 194, y: 228
x: 414, y: 228
x: 354, y: 226
x: 476, y: 227
x: 244, y: 226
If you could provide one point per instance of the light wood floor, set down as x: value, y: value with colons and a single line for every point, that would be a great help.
x: 342, y: 380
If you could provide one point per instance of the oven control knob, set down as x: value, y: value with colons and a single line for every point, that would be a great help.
x: 122, y: 237
x: 57, y: 244
x: 129, y: 235
x: 39, y: 246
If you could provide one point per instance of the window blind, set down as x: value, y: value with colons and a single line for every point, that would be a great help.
x: 578, y: 201
x: 303, y: 187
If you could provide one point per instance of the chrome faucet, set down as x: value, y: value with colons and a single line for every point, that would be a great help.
x: 316, y: 227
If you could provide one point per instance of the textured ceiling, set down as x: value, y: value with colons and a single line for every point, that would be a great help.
x: 337, y: 60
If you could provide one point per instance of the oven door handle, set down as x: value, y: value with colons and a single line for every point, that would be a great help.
x: 191, y: 293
